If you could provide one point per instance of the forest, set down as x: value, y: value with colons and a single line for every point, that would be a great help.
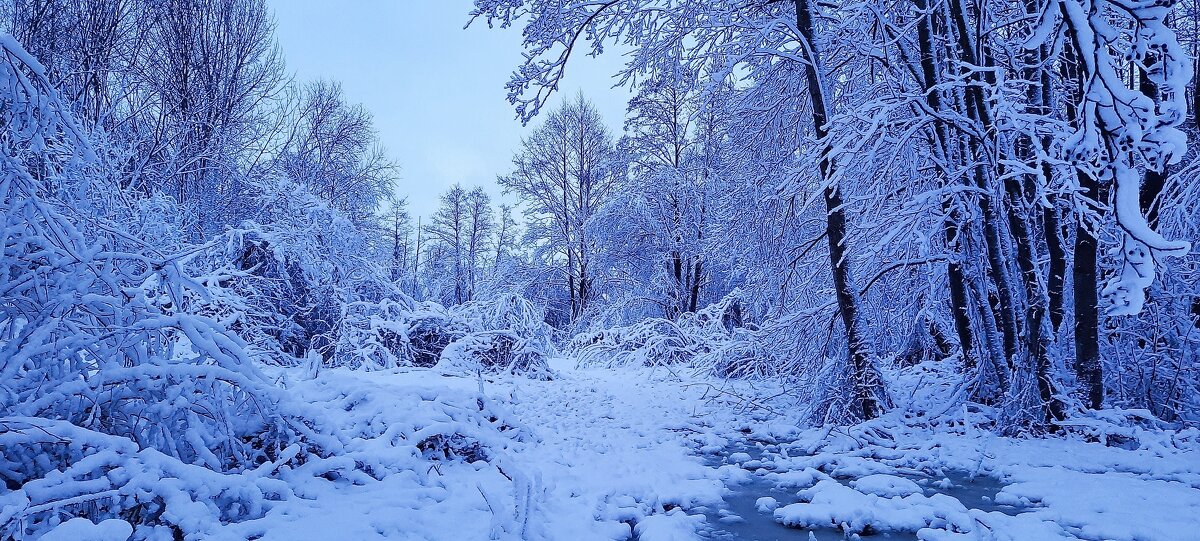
x: 845, y: 267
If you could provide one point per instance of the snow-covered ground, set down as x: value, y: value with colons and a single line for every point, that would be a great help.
x: 589, y: 455
x: 647, y: 454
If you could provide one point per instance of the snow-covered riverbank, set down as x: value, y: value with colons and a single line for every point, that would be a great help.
x: 602, y: 454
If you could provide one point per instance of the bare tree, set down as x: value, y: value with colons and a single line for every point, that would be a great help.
x: 562, y: 173
x: 212, y: 65
x: 398, y: 230
x: 480, y: 224
x: 334, y: 149
x: 506, y: 235
x: 448, y: 227
x: 81, y: 43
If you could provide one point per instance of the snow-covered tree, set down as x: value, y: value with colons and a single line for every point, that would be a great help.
x: 335, y: 151
x: 563, y: 174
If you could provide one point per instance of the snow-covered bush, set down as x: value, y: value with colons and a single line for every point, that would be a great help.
x: 507, y: 334
x: 745, y: 355
x: 101, y: 476
x: 392, y: 333
x: 701, y: 340
x: 268, y: 298
x: 429, y: 332
x: 376, y: 335
x: 495, y: 351
x: 504, y: 334
x: 289, y: 278
x: 649, y: 342
x: 119, y: 397
x: 301, y: 279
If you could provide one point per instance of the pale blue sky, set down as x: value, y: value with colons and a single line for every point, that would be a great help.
x: 436, y: 90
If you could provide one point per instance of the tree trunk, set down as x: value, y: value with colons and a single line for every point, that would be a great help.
x: 867, y: 385
x: 950, y: 224
x: 416, y: 258
x: 1056, y: 282
x: 675, y: 267
x: 1085, y: 285
x: 1022, y: 200
x: 571, y: 283
x: 1051, y: 229
x: 1087, y: 310
x: 978, y: 111
x: 698, y: 265
x: 697, y: 273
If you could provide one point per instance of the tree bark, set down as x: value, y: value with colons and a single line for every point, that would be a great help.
x: 867, y: 384
x: 960, y: 311
x: 1022, y: 197
x: 1087, y: 310
x: 697, y: 273
x: 1056, y: 282
x: 978, y: 111
x: 1085, y: 288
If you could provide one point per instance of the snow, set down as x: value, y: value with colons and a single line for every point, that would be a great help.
x: 887, y: 486
x: 598, y: 454
x: 832, y: 504
x: 674, y: 525
x: 82, y: 529
x: 739, y: 458
x: 593, y: 455
x: 766, y: 504
x: 914, y: 474
x: 1132, y: 507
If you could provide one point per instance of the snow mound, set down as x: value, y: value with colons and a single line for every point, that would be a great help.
x: 82, y: 529
x: 766, y: 504
x: 887, y: 486
x: 1131, y: 508
x: 739, y: 458
x: 939, y: 517
x: 674, y: 525
x: 832, y: 504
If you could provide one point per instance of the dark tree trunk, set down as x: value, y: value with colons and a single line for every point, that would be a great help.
x: 1083, y: 273
x: 960, y: 310
x: 571, y: 285
x: 1056, y: 282
x: 1022, y: 200
x: 697, y: 273
x: 678, y: 306
x: 698, y: 265
x: 1087, y: 310
x: 867, y: 384
x: 978, y: 111
x: 1051, y: 229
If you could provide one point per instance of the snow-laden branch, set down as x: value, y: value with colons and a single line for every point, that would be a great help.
x: 1119, y: 125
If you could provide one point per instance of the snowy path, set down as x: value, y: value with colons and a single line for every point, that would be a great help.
x: 593, y: 453
x: 599, y: 454
x: 619, y: 448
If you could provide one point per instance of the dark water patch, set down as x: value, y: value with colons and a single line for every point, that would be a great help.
x: 973, y: 491
x: 740, y: 518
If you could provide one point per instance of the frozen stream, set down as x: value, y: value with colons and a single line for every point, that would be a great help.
x: 740, y: 519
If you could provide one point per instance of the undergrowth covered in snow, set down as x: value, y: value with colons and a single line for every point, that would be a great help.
x: 129, y: 395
